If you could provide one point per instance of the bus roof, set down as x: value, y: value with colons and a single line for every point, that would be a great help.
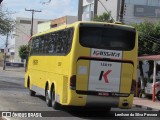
x: 79, y: 22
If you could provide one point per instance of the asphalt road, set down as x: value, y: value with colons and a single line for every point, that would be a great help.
x: 14, y: 97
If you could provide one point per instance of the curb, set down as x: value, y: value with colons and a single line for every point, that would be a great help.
x: 146, y: 108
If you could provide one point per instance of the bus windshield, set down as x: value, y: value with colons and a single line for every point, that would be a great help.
x: 112, y: 38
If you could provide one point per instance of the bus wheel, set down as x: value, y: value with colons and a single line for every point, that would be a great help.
x: 55, y: 105
x: 108, y: 109
x: 158, y: 95
x: 104, y: 109
x: 48, y: 101
x: 32, y: 93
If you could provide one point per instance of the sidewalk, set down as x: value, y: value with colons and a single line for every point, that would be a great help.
x: 16, y: 69
x: 146, y: 104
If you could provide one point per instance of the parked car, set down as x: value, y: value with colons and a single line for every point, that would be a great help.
x: 149, y: 88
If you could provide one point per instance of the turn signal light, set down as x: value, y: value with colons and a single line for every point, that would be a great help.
x: 73, y: 82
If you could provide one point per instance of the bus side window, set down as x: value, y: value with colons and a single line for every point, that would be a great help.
x: 45, y: 49
x: 57, y: 42
x: 64, y: 41
x: 41, y: 45
x: 61, y: 42
x: 36, y: 46
x: 69, y: 37
x: 32, y: 47
x: 51, y: 43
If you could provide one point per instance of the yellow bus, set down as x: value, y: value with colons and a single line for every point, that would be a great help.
x: 84, y: 64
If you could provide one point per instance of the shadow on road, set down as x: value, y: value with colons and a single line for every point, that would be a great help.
x: 81, y: 112
x: 10, y: 85
x: 92, y: 113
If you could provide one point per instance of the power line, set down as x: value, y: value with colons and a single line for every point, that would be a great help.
x: 106, y: 9
x: 150, y: 37
x: 121, y: 11
x: 22, y: 31
x: 33, y: 11
x: 46, y: 2
x: 149, y: 41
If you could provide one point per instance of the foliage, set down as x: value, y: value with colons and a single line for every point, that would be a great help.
x: 148, y: 43
x: 149, y: 38
x: 23, y: 51
x: 105, y: 17
x: 5, y: 22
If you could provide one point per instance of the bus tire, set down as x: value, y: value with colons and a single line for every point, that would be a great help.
x: 104, y: 109
x: 32, y: 93
x: 108, y: 109
x: 158, y: 95
x: 55, y: 105
x: 48, y: 101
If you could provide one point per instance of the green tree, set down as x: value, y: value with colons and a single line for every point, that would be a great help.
x: 105, y: 17
x: 148, y: 39
x: 148, y: 42
x: 23, y: 51
x: 5, y: 22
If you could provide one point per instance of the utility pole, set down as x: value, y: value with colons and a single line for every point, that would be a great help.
x: 5, y: 52
x: 1, y: 1
x: 95, y: 8
x: 33, y: 11
x: 121, y: 11
x: 80, y: 10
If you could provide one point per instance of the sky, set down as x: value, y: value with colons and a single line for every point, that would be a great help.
x: 52, y: 10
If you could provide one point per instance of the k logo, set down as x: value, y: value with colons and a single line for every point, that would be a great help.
x: 104, y: 75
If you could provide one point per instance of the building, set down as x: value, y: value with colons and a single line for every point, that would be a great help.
x: 63, y: 21
x: 56, y: 22
x: 137, y: 11
x: 89, y: 8
x: 128, y: 11
x: 21, y: 34
x: 44, y: 26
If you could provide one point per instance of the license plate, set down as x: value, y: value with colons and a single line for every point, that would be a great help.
x: 103, y: 94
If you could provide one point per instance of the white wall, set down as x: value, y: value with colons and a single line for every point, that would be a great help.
x: 110, y: 5
x: 44, y: 26
x: 129, y: 17
x: 22, y: 34
x: 71, y: 19
x: 87, y: 3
